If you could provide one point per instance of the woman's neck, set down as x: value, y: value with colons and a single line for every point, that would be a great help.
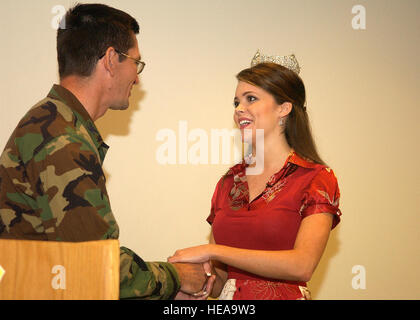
x: 273, y: 155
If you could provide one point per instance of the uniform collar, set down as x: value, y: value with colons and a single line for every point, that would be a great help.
x: 60, y: 93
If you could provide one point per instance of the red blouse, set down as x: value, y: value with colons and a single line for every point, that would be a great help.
x: 271, y: 221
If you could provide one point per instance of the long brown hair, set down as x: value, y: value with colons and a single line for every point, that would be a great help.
x: 286, y: 86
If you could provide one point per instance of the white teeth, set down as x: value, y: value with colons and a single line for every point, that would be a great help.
x: 244, y: 122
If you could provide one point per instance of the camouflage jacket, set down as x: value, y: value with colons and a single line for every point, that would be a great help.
x: 52, y: 187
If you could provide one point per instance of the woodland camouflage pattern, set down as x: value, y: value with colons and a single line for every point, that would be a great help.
x: 52, y: 187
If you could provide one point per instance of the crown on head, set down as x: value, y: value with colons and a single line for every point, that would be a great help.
x: 290, y: 62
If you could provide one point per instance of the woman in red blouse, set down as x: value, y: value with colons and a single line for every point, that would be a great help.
x: 269, y: 230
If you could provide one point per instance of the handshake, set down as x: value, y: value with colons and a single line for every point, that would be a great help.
x: 196, y: 272
x: 197, y: 280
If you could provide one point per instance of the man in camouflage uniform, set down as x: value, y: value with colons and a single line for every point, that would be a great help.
x: 52, y: 186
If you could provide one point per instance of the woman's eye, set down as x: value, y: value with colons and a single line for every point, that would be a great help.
x: 251, y: 98
x: 235, y: 103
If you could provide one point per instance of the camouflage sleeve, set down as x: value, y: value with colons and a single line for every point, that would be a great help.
x: 146, y: 280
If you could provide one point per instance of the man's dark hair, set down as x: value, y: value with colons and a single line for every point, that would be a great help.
x: 89, y: 30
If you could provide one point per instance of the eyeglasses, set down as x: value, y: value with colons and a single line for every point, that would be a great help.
x: 140, y: 64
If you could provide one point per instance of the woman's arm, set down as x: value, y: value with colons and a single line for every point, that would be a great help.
x: 297, y: 264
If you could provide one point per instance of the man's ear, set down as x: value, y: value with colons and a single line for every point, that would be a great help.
x: 110, y: 60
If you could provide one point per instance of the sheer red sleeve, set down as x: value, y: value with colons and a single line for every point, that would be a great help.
x: 322, y: 196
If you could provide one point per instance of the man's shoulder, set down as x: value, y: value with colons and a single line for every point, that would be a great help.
x: 47, y: 119
x: 46, y: 113
x: 44, y: 123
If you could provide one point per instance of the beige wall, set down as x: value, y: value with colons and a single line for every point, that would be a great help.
x: 361, y: 87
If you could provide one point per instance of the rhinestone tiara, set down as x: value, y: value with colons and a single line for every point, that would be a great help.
x: 290, y: 61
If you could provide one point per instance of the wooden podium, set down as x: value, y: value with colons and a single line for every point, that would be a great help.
x: 49, y: 270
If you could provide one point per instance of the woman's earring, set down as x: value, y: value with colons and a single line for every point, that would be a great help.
x: 281, y: 122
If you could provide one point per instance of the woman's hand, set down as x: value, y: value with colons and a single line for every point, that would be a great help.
x: 198, y: 254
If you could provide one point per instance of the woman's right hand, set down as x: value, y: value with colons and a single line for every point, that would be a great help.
x: 198, y: 254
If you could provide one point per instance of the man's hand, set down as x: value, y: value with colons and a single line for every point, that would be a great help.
x: 193, y: 277
x: 204, y: 295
